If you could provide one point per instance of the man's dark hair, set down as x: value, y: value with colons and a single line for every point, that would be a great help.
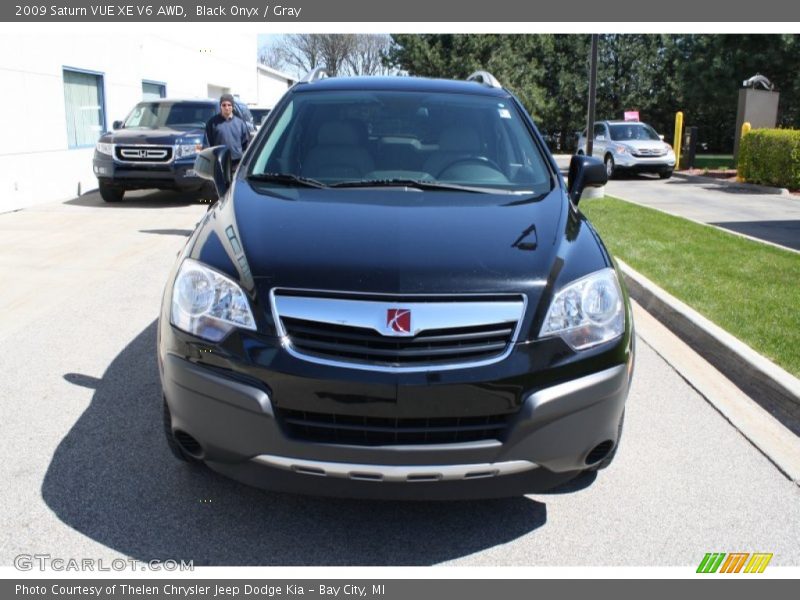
x: 226, y: 98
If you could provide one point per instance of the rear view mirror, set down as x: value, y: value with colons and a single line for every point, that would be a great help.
x: 116, y: 125
x: 584, y: 171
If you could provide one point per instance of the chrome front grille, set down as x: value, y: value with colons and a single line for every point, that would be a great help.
x: 143, y: 154
x: 437, y: 333
x: 649, y: 152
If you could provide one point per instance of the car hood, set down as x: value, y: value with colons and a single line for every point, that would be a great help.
x: 395, y: 240
x: 162, y: 136
x: 645, y: 145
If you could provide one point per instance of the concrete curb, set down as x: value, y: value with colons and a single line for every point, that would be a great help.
x: 745, y: 187
x: 770, y: 386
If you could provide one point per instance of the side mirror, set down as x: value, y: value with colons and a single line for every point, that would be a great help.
x: 116, y: 125
x: 214, y: 164
x: 584, y: 171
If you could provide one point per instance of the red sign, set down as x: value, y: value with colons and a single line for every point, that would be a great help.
x: 631, y: 115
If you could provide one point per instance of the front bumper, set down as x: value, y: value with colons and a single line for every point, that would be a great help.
x: 177, y: 175
x: 550, y: 435
x: 634, y: 164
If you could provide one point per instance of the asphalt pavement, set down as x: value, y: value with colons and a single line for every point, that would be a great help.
x: 88, y: 474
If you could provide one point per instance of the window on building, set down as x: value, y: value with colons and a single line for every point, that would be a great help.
x: 85, y: 110
x: 152, y: 90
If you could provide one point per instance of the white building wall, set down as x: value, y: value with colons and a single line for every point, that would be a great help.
x: 36, y: 165
x: 271, y: 86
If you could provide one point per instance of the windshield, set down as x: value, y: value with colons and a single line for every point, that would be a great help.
x: 357, y: 137
x: 151, y: 115
x: 633, y: 131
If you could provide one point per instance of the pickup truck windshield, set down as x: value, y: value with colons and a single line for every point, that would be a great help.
x: 345, y: 138
x: 152, y: 115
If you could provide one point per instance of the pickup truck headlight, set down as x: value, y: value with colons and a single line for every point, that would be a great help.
x: 587, y: 312
x: 184, y: 150
x: 208, y: 304
x: 105, y: 148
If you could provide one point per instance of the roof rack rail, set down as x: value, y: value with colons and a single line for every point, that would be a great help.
x: 315, y: 75
x: 485, y: 78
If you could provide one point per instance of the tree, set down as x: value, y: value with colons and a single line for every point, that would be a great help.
x: 367, y: 56
x: 547, y: 73
x: 657, y: 75
x: 339, y: 54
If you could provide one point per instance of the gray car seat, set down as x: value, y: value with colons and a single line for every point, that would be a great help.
x: 340, y: 153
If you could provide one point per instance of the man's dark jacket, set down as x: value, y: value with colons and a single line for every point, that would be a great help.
x: 231, y: 132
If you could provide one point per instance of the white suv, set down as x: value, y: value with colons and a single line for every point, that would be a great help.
x: 630, y: 146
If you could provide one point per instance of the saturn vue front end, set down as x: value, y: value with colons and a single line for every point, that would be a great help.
x: 396, y: 297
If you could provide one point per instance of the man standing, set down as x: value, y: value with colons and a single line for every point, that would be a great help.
x: 229, y: 130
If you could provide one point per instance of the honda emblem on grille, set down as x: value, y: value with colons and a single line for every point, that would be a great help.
x: 398, y: 321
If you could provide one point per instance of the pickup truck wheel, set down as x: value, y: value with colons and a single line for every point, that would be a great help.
x: 109, y: 193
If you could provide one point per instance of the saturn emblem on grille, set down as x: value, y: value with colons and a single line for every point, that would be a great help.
x: 398, y: 321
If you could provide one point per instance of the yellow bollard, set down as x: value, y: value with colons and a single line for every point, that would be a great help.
x: 676, y: 146
x: 746, y: 127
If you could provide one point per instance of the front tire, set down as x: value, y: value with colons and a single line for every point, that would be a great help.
x: 665, y: 175
x: 610, y: 166
x: 110, y: 193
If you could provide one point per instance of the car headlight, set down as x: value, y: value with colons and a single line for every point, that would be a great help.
x: 208, y: 304
x: 105, y: 148
x: 184, y: 150
x: 587, y: 312
x: 621, y: 149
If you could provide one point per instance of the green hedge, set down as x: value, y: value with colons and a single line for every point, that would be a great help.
x: 770, y: 157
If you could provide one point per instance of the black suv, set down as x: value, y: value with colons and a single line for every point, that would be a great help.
x: 156, y: 146
x: 396, y: 297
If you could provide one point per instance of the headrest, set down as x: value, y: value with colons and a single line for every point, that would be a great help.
x: 459, y: 139
x: 341, y: 133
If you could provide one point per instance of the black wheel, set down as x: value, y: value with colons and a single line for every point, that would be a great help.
x: 610, y: 457
x: 174, y: 447
x: 609, y: 161
x: 665, y: 175
x: 111, y: 193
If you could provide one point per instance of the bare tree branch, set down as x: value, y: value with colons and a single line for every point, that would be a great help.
x: 340, y: 54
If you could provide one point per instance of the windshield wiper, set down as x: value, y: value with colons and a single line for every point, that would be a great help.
x: 420, y: 184
x: 287, y: 178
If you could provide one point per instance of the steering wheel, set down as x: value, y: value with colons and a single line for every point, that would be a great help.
x: 479, y: 160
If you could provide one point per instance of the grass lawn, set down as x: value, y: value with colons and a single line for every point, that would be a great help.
x: 750, y: 289
x: 713, y: 161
